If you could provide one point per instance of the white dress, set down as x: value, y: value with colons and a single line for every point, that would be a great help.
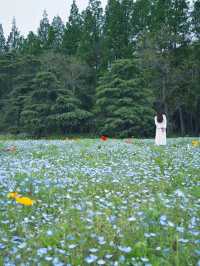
x: 160, y: 138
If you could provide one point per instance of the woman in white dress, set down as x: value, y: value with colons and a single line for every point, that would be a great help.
x: 161, y: 125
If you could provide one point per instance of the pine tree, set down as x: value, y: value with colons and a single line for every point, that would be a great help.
x: 49, y: 108
x: 14, y: 39
x: 2, y: 40
x: 89, y: 48
x: 171, y: 17
x: 43, y: 30
x: 56, y: 32
x: 117, y: 31
x: 31, y: 44
x: 25, y: 69
x: 72, y: 34
x: 123, y: 103
x: 141, y: 17
x: 196, y: 19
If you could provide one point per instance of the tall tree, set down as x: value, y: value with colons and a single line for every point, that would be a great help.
x: 117, y: 31
x: 72, y: 34
x: 196, y: 19
x: 89, y: 48
x: 43, y: 30
x: 14, y: 39
x: 50, y: 108
x: 2, y: 40
x: 31, y: 44
x: 21, y: 74
x: 141, y: 17
x: 123, y: 103
x: 56, y: 32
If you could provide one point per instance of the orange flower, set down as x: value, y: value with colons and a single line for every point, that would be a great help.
x: 13, y: 195
x: 25, y: 201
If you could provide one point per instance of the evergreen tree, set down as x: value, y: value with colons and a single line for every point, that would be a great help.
x: 171, y: 17
x: 123, y: 103
x: 89, y: 48
x: 14, y: 39
x: 31, y: 44
x: 73, y: 75
x: 117, y: 31
x: 24, y: 70
x: 72, y: 34
x: 196, y: 19
x: 2, y: 40
x: 43, y: 30
x: 56, y: 32
x: 49, y: 108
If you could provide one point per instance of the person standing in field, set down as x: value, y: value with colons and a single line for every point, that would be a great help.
x: 161, y: 126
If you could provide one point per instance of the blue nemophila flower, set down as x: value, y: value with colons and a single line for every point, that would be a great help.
x: 183, y: 240
x: 48, y: 258
x: 42, y: 251
x: 49, y: 233
x: 132, y: 219
x: 22, y: 245
x: 194, y: 232
x: 179, y: 193
x: 70, y: 237
x: 125, y: 249
x: 2, y: 246
x: 122, y: 259
x: 101, y: 262
x: 72, y: 246
x: 91, y: 258
x: 143, y: 259
x: 180, y: 229
x: 93, y: 250
x: 57, y: 262
x: 158, y: 248
x: 163, y: 220
x: 149, y: 235
x: 101, y: 240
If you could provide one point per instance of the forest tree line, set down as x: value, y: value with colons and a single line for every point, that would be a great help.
x: 104, y: 71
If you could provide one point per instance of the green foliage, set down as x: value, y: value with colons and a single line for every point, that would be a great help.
x: 50, y: 108
x: 72, y: 33
x: 162, y: 35
x: 117, y: 31
x: 43, y: 30
x: 89, y: 48
x: 55, y: 35
x: 123, y: 104
x: 14, y: 39
x: 2, y: 40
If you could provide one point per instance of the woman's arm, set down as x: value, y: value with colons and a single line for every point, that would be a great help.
x: 164, y: 121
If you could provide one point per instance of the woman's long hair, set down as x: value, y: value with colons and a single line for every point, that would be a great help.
x: 159, y: 117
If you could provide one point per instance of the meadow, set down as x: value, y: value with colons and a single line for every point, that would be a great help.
x: 114, y: 202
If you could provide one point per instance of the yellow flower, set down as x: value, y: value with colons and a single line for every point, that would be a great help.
x: 25, y: 201
x: 13, y: 195
x: 195, y: 143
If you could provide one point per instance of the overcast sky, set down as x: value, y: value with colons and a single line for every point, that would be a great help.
x: 29, y: 12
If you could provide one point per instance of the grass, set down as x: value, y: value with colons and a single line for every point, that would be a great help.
x: 100, y: 203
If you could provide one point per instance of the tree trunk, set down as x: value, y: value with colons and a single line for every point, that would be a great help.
x: 182, y: 125
x: 191, y: 124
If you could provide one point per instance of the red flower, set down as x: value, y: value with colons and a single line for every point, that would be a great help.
x: 104, y: 138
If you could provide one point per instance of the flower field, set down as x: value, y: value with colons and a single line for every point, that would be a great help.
x: 93, y: 202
